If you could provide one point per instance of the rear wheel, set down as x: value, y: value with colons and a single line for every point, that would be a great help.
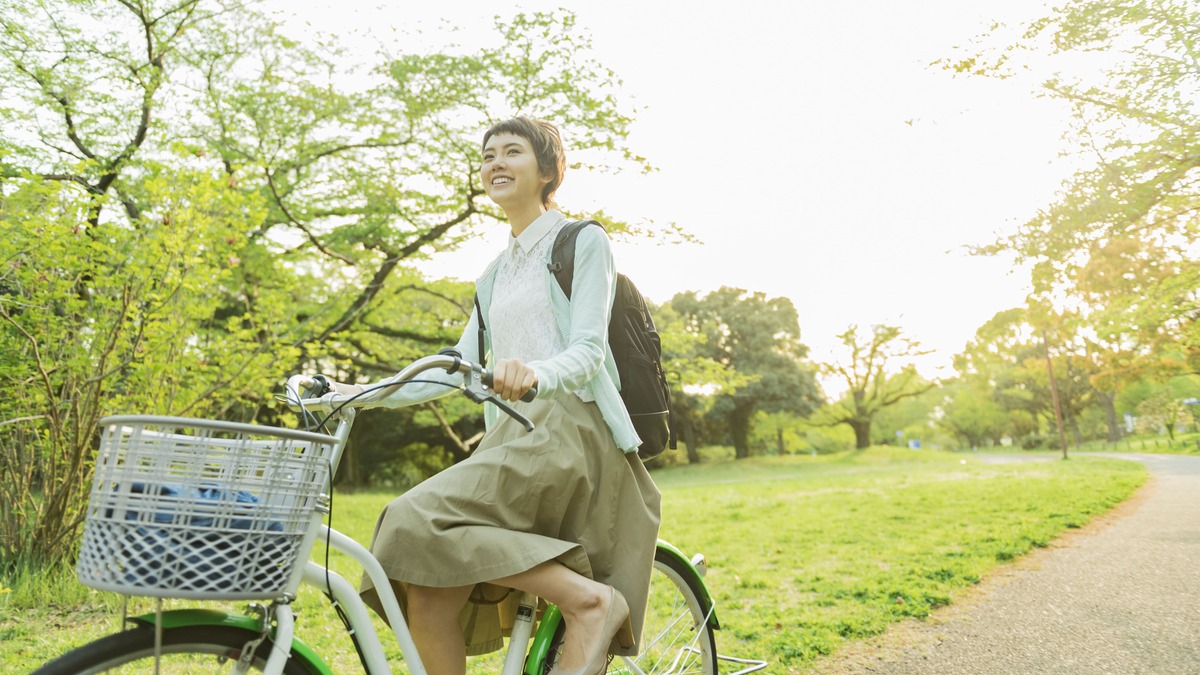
x: 676, y: 637
x: 185, y: 650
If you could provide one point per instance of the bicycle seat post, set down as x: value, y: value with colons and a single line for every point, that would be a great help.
x: 522, y: 631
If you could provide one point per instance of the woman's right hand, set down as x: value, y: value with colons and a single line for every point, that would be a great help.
x: 511, y: 379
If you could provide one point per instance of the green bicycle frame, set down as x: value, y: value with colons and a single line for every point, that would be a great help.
x: 543, y: 639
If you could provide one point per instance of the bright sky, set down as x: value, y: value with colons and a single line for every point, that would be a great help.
x: 809, y: 145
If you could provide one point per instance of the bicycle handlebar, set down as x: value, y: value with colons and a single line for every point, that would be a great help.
x: 477, y: 383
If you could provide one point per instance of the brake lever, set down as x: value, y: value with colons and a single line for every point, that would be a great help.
x: 474, y: 389
x: 525, y: 421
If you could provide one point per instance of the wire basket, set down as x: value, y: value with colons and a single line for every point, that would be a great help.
x: 189, y: 508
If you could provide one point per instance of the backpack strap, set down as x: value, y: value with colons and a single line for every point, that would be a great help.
x: 482, y: 328
x: 562, y: 256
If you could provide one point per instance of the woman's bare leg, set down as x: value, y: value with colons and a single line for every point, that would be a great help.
x: 433, y: 620
x: 584, y: 604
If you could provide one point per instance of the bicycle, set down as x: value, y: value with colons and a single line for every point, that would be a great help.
x: 201, y: 509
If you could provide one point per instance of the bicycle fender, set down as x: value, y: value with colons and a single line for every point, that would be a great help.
x: 178, y: 618
x: 539, y: 649
x: 710, y: 607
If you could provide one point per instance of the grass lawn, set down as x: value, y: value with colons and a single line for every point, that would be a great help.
x: 804, y: 553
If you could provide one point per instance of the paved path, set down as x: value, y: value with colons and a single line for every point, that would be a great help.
x: 1121, y: 597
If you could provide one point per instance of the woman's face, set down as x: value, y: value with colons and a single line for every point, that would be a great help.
x: 510, y: 171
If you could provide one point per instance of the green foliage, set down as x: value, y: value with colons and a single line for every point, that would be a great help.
x: 1118, y: 245
x: 103, y: 319
x: 1004, y: 388
x: 195, y: 204
x: 913, y: 417
x: 758, y: 339
x: 971, y: 413
x: 695, y: 377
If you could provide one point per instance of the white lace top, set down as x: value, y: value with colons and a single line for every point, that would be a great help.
x: 520, y: 319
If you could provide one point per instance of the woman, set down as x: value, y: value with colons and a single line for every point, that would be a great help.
x: 567, y: 512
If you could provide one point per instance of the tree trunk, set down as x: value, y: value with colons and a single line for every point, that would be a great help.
x: 739, y: 427
x: 1073, y: 423
x: 862, y: 433
x: 779, y: 442
x: 687, y: 434
x: 1108, y: 402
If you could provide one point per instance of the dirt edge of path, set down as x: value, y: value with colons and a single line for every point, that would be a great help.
x: 918, y: 635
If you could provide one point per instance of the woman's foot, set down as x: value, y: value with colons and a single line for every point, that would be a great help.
x: 602, y: 621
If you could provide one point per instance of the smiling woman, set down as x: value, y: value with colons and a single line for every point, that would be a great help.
x: 535, y: 512
x: 523, y: 165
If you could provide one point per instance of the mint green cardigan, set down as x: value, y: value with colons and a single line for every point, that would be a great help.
x: 586, y: 363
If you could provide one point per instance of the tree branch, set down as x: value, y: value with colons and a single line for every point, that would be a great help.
x: 377, y: 365
x: 463, y: 445
x: 385, y: 269
x: 299, y: 225
x: 65, y: 104
x: 403, y: 334
x: 16, y: 420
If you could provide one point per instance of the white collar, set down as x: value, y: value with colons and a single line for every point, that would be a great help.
x: 532, y: 234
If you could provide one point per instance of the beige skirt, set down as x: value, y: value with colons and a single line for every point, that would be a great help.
x: 562, y: 492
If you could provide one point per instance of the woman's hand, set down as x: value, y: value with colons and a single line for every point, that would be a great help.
x: 511, y: 379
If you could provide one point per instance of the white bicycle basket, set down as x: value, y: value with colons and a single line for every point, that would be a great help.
x: 189, y: 508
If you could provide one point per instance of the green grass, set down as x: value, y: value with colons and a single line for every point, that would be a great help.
x: 804, y: 553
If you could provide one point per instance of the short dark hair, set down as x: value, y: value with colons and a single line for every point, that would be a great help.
x: 547, y: 147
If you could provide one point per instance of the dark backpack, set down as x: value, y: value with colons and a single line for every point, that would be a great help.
x: 635, y: 346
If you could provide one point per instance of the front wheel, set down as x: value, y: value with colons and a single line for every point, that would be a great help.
x: 185, y: 650
x: 677, y: 636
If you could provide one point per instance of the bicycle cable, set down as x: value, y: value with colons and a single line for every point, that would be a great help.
x: 309, y: 421
x: 377, y: 387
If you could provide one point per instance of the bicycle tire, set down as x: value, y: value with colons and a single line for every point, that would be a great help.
x: 677, y: 637
x: 185, y: 649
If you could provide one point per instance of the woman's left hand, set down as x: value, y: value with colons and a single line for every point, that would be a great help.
x: 511, y: 379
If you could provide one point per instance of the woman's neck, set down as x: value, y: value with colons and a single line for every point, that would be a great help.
x: 519, y: 219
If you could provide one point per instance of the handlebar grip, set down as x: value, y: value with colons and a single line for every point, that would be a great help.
x: 529, y: 395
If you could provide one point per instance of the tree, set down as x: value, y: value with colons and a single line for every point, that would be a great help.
x: 779, y: 432
x: 1009, y: 355
x: 1119, y: 243
x: 870, y: 387
x: 759, y: 339
x: 695, y: 378
x: 913, y: 417
x: 193, y: 205
x: 78, y: 345
x: 972, y: 415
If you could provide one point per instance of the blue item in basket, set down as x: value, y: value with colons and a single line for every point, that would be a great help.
x: 184, y: 555
x: 195, y: 497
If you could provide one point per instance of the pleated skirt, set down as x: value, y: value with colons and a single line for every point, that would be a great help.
x: 563, y: 492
